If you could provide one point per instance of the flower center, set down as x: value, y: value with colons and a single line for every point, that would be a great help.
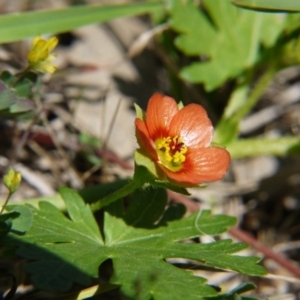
x: 171, y: 152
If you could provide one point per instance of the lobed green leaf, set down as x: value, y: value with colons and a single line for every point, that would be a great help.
x: 137, y: 238
x: 228, y: 39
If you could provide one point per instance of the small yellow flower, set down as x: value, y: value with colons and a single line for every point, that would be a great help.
x: 12, y: 180
x: 39, y: 57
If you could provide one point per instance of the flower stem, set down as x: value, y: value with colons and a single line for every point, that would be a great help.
x: 5, y: 203
x: 20, y: 76
x: 122, y: 192
x: 141, y: 176
x: 251, y: 147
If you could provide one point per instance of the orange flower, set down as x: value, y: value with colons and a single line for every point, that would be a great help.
x: 178, y: 141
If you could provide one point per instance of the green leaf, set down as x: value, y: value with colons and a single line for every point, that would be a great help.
x: 243, y: 288
x: 230, y: 39
x: 21, y: 86
x: 10, y: 103
x: 89, y: 140
x: 5, y: 227
x: 7, y: 97
x: 18, y: 26
x: 93, y: 159
x: 9, y: 215
x: 139, y: 112
x: 22, y: 105
x: 138, y: 239
x: 148, y: 249
x: 6, y: 222
x: 63, y: 250
x: 24, y: 86
x: 80, y: 213
x: 235, y: 293
x: 144, y: 210
x: 142, y: 159
x: 269, y: 5
x: 24, y: 220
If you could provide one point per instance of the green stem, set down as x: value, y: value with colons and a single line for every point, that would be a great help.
x: 20, y: 76
x: 256, y: 93
x: 260, y: 146
x: 141, y: 176
x: 122, y: 192
x: 5, y: 203
x: 227, y: 129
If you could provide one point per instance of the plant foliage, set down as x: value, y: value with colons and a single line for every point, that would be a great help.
x: 67, y: 249
x: 212, y: 32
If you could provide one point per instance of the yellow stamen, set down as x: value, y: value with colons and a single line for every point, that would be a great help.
x: 171, y: 152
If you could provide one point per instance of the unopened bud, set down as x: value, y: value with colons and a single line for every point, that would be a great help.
x: 12, y: 180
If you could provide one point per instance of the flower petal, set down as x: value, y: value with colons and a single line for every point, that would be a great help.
x: 201, y: 165
x: 39, y: 57
x: 52, y: 43
x: 36, y: 40
x: 144, y: 140
x: 160, y: 111
x: 193, y: 125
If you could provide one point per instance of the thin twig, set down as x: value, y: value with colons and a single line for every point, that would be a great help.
x: 247, y: 238
x: 60, y: 150
x: 110, y: 129
x: 42, y: 153
x: 111, y: 125
x: 105, y: 143
x: 24, y: 138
